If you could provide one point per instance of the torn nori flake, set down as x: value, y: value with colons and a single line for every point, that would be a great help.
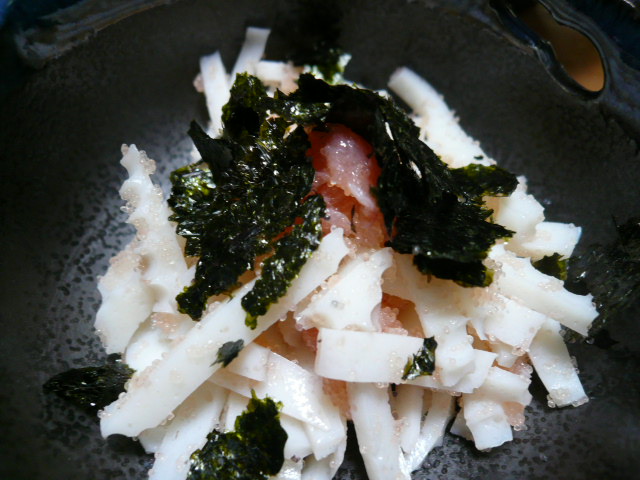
x: 91, y: 388
x: 247, y: 190
x: 479, y: 181
x: 611, y: 273
x: 553, y: 265
x: 253, y: 451
x: 228, y: 352
x: 291, y: 252
x: 423, y: 362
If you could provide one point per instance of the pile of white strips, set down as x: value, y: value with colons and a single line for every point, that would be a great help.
x: 488, y: 338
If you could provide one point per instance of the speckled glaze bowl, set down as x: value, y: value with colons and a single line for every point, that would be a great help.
x: 60, y: 137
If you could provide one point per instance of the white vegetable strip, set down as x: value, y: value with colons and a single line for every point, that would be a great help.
x: 482, y: 363
x: 550, y: 358
x: 350, y: 300
x: 443, y: 132
x: 251, y: 362
x: 164, y: 264
x: 291, y: 470
x: 513, y: 323
x: 454, y: 353
x: 506, y: 358
x: 505, y: 386
x: 518, y: 279
x: 146, y: 346
x: 459, y: 426
x: 364, y: 356
x: 325, y: 468
x: 216, y: 89
x: 487, y: 421
x: 252, y: 51
x: 519, y: 212
x: 126, y: 300
x: 440, y: 306
x: 299, y: 391
x: 187, y: 432
x: 298, y: 444
x: 153, y: 394
x: 235, y: 406
x: 548, y: 238
x: 407, y: 403
x: 432, y: 430
x: 151, y: 438
x: 376, y: 430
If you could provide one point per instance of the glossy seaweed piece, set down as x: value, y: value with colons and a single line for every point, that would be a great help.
x: 423, y: 362
x: 253, y: 451
x: 290, y: 254
x: 247, y: 190
x: 91, y: 388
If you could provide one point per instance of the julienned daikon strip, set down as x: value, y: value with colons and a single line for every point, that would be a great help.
x: 291, y: 470
x: 364, y: 356
x: 352, y: 297
x: 439, y: 124
x: 487, y: 421
x: 325, y: 468
x: 298, y: 444
x: 154, y: 393
x: 440, y: 307
x: 215, y: 81
x: 164, y: 264
x: 554, y: 366
x: 150, y: 272
x: 252, y: 51
x: 481, y: 364
x: 376, y: 431
x: 299, y: 391
x: 127, y: 300
x: 512, y: 323
x: 187, y: 432
x: 547, y: 239
x: 432, y: 430
x: 520, y: 212
x: 407, y: 405
x: 518, y: 279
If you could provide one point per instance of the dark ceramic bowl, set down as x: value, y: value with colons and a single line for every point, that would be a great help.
x: 60, y: 135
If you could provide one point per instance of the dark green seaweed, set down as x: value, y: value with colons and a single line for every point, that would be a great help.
x: 253, y: 451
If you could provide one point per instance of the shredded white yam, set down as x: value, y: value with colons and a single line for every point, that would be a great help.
x: 326, y: 467
x: 518, y: 279
x: 432, y: 430
x: 364, y: 356
x: 164, y: 266
x: 487, y: 421
x: 252, y: 51
x: 519, y: 212
x: 554, y: 366
x: 513, y: 324
x: 194, y: 420
x: 407, y: 406
x: 376, y: 430
x: 350, y: 300
x: 547, y: 239
x: 127, y: 300
x: 291, y: 470
x: 215, y: 81
x: 439, y: 124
